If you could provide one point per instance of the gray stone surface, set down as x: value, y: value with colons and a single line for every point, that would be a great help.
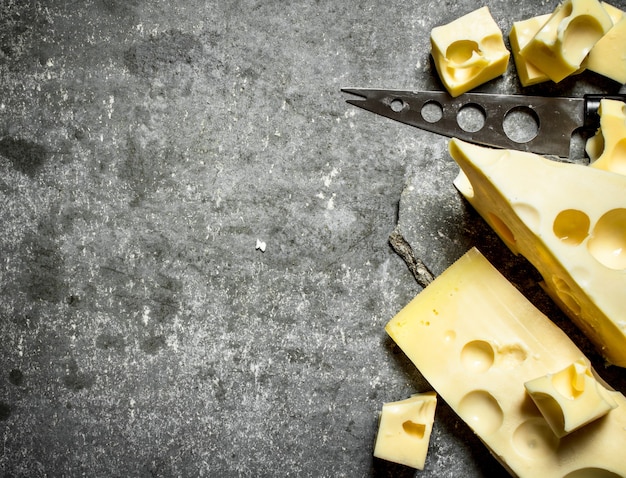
x: 147, y: 149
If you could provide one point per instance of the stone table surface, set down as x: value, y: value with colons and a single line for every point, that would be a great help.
x: 194, y: 262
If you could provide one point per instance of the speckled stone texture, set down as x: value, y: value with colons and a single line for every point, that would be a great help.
x: 147, y: 149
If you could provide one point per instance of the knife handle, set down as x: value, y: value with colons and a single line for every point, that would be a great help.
x: 592, y: 106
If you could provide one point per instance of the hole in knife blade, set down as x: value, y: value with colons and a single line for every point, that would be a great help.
x: 432, y: 111
x: 521, y: 124
x: 397, y: 105
x: 471, y: 117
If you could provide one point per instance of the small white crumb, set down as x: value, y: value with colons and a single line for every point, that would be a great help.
x: 260, y: 245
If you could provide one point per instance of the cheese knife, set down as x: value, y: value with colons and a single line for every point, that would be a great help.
x: 556, y: 119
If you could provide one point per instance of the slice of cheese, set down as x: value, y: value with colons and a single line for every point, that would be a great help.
x: 560, y: 46
x: 477, y: 340
x: 520, y: 35
x: 568, y: 220
x: 404, y: 430
x: 607, y: 148
x: 570, y: 398
x: 608, y: 56
x: 469, y: 51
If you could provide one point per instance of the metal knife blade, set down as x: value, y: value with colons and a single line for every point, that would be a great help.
x: 557, y: 119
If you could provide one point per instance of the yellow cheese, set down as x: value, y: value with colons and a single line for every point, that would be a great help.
x: 570, y: 398
x: 608, y: 56
x: 560, y: 46
x: 607, y: 149
x: 469, y: 51
x: 521, y: 33
x: 404, y: 430
x: 477, y: 340
x: 568, y: 220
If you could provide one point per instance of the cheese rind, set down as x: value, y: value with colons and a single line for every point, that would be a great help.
x: 607, y: 148
x: 541, y: 209
x: 404, y: 430
x: 570, y: 398
x: 562, y: 44
x: 608, y: 55
x: 477, y: 340
x: 469, y: 51
x: 520, y: 35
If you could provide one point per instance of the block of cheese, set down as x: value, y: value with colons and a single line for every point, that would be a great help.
x: 404, y: 430
x: 608, y: 56
x: 607, y: 148
x: 477, y: 340
x: 570, y: 398
x: 521, y: 33
x: 469, y: 51
x: 560, y: 46
x: 568, y: 220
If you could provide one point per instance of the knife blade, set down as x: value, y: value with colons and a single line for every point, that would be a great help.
x: 557, y: 119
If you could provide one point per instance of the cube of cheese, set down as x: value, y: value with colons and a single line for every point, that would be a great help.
x: 404, y: 430
x: 562, y: 44
x: 607, y: 148
x: 520, y: 35
x: 542, y: 209
x: 570, y: 398
x: 469, y: 51
x: 608, y: 56
x: 477, y: 340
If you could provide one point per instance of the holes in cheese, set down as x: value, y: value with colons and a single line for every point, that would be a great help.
x: 541, y: 209
x: 570, y: 382
x: 580, y: 35
x: 571, y: 226
x: 414, y: 429
x: 477, y: 356
x: 476, y: 314
x: 500, y: 228
x: 528, y: 213
x: 404, y: 430
x: 469, y: 51
x: 463, y: 54
x: 511, y: 355
x: 593, y: 473
x: 481, y: 411
x: 607, y: 243
x: 570, y: 398
x: 534, y: 439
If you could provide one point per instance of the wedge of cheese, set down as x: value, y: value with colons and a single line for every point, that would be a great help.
x: 469, y: 51
x: 477, y: 340
x: 404, y: 430
x: 608, y: 56
x: 562, y: 44
x: 607, y: 148
x: 568, y: 220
